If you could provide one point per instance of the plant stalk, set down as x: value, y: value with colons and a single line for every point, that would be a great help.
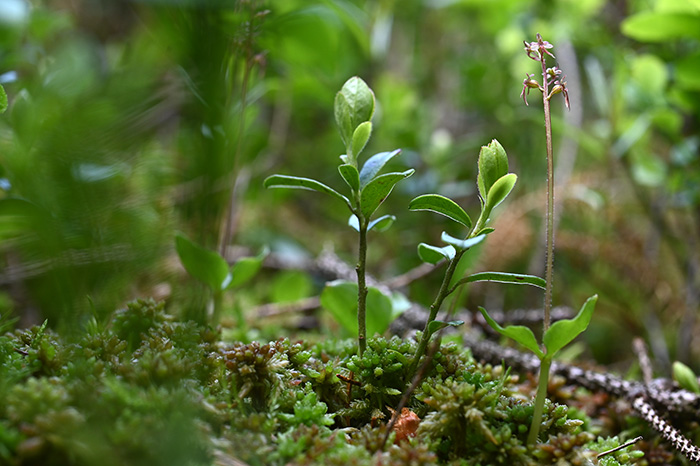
x: 434, y: 308
x: 362, y: 285
x: 545, y: 365
x: 549, y: 216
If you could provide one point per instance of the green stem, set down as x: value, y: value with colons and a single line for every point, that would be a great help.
x: 549, y: 216
x: 545, y: 364
x: 434, y: 308
x: 362, y: 285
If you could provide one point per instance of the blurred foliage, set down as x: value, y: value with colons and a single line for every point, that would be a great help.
x: 130, y: 120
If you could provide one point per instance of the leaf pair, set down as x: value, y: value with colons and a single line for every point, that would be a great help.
x: 372, y: 188
x: 211, y: 269
x: 560, y: 334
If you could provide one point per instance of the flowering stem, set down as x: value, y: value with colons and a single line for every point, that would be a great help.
x: 549, y: 216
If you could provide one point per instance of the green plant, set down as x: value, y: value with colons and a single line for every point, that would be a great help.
x: 494, y: 184
x: 211, y: 269
x: 556, y: 336
x: 354, y: 108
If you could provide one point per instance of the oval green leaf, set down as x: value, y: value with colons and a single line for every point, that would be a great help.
x: 342, y: 118
x: 685, y: 377
x: 519, y: 333
x: 246, y: 268
x: 462, y: 244
x: 374, y: 164
x: 359, y: 99
x: 378, y: 189
x: 651, y: 26
x: 360, y: 137
x: 500, y: 190
x: 350, y: 175
x: 295, y: 182
x: 434, y: 254
x: 201, y: 263
x: 443, y: 206
x: 562, y: 332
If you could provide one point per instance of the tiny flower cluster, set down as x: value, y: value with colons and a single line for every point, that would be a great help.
x: 556, y: 83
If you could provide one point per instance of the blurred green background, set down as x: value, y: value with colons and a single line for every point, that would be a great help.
x: 131, y: 120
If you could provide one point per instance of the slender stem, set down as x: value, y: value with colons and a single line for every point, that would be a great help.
x: 362, y: 286
x: 545, y: 364
x: 549, y: 217
x: 434, y: 308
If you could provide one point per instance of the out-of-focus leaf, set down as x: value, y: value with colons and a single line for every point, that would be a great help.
x: 685, y: 377
x: 340, y: 299
x: 246, y: 268
x: 382, y: 223
x: 3, y: 99
x: 651, y: 26
x: 688, y: 72
x: 204, y: 265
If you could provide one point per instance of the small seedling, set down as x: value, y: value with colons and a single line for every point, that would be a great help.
x: 560, y: 334
x: 212, y: 270
x: 495, y: 184
x: 354, y: 108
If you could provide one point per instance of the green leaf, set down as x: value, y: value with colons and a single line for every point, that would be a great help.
x: 343, y: 119
x: 374, y: 193
x: 201, y: 263
x: 443, y: 206
x: 295, y: 182
x: 486, y: 231
x: 434, y: 254
x: 500, y: 190
x: 461, y: 244
x: 374, y: 164
x: 519, y: 333
x: 383, y: 223
x: 360, y: 101
x: 493, y: 164
x: 437, y: 325
x: 246, y: 268
x: 339, y: 298
x: 562, y: 332
x: 503, y: 277
x: 3, y: 99
x: 360, y: 137
x: 651, y: 26
x: 350, y: 175
x: 685, y: 377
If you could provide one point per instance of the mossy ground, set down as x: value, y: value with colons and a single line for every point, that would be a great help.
x: 146, y: 389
